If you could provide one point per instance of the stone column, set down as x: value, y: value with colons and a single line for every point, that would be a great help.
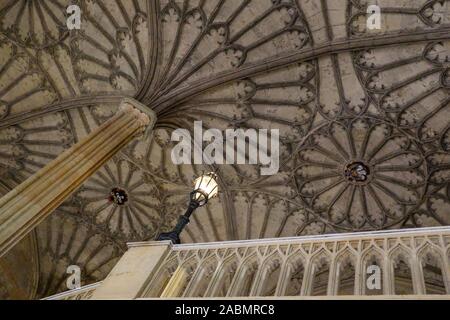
x: 24, y: 207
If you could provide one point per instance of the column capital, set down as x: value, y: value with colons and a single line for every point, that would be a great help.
x: 145, y: 116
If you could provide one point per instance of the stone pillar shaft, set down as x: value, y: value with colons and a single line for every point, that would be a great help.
x: 28, y: 204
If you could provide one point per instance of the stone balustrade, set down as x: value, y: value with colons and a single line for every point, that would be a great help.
x: 84, y: 293
x: 408, y: 262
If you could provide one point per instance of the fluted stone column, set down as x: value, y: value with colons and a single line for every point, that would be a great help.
x: 28, y: 204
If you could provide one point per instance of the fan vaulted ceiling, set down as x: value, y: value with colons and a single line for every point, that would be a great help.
x: 339, y: 94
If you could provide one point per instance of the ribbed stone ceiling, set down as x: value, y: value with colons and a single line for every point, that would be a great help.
x: 341, y: 96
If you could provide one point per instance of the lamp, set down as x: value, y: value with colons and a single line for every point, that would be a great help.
x: 205, y: 188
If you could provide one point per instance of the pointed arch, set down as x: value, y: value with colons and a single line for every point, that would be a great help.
x: 402, y: 276
x: 432, y: 267
x: 226, y: 272
x: 372, y: 258
x: 320, y: 273
x: 202, y: 278
x: 295, y: 274
x: 269, y: 275
x: 245, y: 278
x: 345, y: 273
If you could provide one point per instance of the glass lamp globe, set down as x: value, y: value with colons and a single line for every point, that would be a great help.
x: 205, y: 188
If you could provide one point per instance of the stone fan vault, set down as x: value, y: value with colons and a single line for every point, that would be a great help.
x: 364, y: 120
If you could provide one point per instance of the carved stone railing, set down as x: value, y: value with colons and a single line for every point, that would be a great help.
x: 84, y: 293
x: 406, y: 262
